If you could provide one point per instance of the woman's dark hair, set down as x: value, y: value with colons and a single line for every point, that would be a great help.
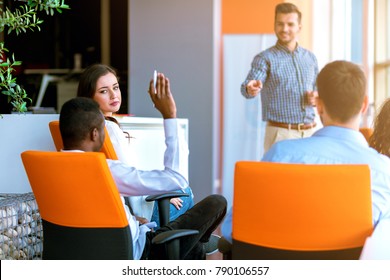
x: 89, y: 78
x: 380, y: 138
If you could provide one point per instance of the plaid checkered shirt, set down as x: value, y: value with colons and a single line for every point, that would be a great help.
x: 286, y: 76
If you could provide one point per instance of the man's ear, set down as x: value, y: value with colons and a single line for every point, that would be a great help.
x: 365, y: 104
x: 320, y: 106
x: 94, y: 135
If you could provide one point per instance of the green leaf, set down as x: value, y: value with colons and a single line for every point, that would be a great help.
x: 20, y: 20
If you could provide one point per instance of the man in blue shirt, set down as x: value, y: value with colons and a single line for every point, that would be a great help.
x: 285, y: 74
x: 341, y: 103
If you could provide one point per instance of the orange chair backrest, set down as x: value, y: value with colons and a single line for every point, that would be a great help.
x: 54, y: 127
x: 74, y: 189
x: 107, y: 148
x: 300, y: 206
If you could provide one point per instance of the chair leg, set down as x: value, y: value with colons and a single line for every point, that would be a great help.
x: 225, y: 247
x: 173, y: 249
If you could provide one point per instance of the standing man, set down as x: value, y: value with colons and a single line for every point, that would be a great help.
x: 285, y: 75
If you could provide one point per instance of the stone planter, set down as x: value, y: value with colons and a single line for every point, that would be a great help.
x: 21, y: 232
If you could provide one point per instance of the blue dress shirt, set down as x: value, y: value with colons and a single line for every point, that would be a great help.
x: 334, y: 145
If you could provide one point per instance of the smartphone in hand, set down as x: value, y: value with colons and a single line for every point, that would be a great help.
x: 155, y: 81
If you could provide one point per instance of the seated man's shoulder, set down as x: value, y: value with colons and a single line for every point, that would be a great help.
x: 380, y: 160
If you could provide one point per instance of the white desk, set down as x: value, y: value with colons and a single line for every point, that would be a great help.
x: 377, y: 246
x: 146, y: 148
x: 149, y: 140
x: 31, y: 132
x: 50, y: 75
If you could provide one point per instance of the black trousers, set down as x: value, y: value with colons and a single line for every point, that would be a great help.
x: 204, y: 216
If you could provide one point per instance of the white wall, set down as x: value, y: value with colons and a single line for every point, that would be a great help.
x: 177, y: 38
x: 19, y: 133
x: 322, y: 40
x: 243, y: 136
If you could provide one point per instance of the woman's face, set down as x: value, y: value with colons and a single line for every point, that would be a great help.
x: 108, y: 94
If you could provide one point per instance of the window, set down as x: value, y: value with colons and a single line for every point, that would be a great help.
x: 346, y: 32
x: 382, y: 51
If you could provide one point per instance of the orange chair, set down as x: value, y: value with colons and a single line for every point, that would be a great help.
x: 367, y: 132
x: 107, y: 148
x: 82, y: 214
x: 109, y: 151
x: 300, y: 211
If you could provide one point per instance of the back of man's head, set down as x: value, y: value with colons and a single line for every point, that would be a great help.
x: 288, y: 8
x: 78, y: 117
x: 341, y: 87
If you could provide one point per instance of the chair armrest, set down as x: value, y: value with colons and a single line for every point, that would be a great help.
x: 172, y: 240
x: 163, y: 204
x: 165, y: 195
x: 167, y: 236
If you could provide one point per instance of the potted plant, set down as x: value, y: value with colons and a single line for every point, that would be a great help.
x: 20, y: 20
x: 19, y: 132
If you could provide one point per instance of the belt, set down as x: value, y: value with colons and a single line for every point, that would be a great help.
x: 299, y: 126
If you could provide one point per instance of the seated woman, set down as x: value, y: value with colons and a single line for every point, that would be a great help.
x: 100, y: 82
x: 380, y: 138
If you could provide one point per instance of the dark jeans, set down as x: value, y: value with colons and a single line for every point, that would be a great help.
x: 204, y: 216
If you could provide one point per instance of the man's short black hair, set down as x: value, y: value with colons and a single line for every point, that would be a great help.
x: 78, y: 117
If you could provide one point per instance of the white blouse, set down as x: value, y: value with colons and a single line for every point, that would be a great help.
x: 137, y: 183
